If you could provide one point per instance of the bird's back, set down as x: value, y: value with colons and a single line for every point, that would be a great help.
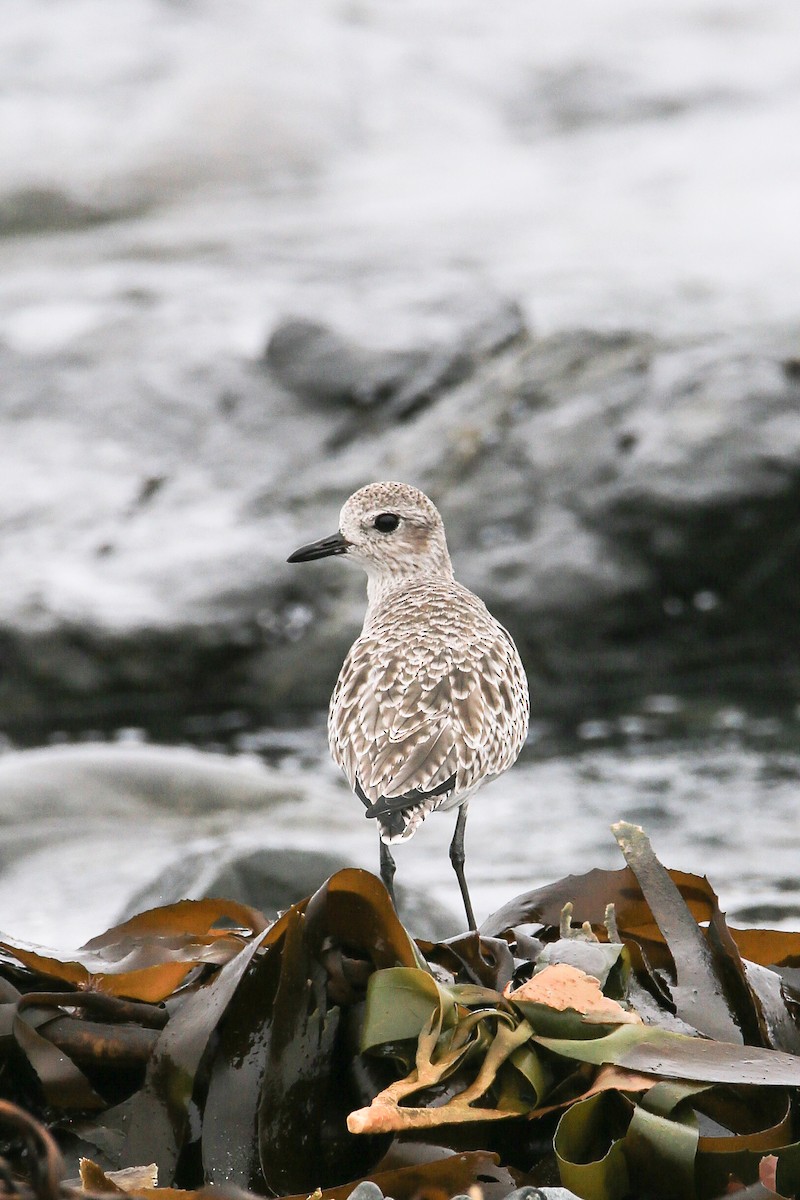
x: 432, y: 698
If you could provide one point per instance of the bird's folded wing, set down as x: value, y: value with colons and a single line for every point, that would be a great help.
x: 416, y: 763
x: 397, y: 728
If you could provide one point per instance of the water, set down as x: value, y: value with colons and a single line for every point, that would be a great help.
x: 723, y: 806
x: 381, y: 165
x: 721, y: 802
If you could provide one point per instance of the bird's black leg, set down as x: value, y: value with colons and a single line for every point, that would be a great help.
x: 387, y: 870
x: 457, y: 859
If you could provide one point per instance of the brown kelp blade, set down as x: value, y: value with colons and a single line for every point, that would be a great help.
x: 149, y: 956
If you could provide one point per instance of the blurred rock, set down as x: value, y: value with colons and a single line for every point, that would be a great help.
x: 319, y: 365
x: 121, y: 828
x: 123, y: 780
x: 47, y: 210
x: 629, y: 507
x: 84, y: 826
x: 316, y: 363
x: 271, y: 879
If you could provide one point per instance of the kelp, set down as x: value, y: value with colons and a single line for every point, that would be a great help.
x: 44, y: 1171
x: 149, y: 956
x: 610, y: 1030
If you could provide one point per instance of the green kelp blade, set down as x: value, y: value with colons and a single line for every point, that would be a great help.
x: 662, y: 1140
x: 563, y: 1023
x: 472, y: 995
x: 588, y: 1145
x: 652, y: 1051
x: 400, y: 1003
x: 759, y: 1121
x: 525, y: 1087
x: 608, y: 1146
x: 661, y: 1153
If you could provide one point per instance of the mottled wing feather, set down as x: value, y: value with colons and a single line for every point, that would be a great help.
x: 417, y: 763
x: 417, y: 703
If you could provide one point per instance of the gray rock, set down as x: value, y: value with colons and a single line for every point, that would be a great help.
x: 272, y: 879
x: 547, y: 1193
x: 94, y: 831
x: 366, y: 1191
x: 531, y: 1193
x: 84, y: 826
x: 628, y: 507
x: 268, y: 879
x: 48, y: 210
x: 115, y: 780
x: 318, y: 364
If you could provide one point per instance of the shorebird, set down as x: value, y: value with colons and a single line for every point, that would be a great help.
x: 432, y: 700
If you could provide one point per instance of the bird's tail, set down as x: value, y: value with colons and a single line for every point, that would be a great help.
x: 400, y: 826
x: 399, y: 816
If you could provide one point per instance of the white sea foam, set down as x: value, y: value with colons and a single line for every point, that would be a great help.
x: 609, y: 164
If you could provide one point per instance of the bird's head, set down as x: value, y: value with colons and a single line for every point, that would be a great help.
x: 393, y: 531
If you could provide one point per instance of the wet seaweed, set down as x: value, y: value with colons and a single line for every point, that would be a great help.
x: 609, y: 1031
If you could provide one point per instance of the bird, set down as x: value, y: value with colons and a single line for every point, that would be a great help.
x: 432, y: 699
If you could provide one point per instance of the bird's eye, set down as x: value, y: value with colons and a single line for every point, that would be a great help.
x: 386, y: 522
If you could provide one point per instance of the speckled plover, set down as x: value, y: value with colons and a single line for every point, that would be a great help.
x: 432, y: 700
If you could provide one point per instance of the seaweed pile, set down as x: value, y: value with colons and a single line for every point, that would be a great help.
x: 609, y: 1032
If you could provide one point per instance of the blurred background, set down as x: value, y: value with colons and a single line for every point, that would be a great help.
x: 540, y: 261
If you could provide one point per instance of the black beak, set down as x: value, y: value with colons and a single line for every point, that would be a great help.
x: 336, y: 544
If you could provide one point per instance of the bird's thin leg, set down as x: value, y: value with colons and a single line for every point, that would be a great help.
x: 387, y: 870
x: 457, y: 859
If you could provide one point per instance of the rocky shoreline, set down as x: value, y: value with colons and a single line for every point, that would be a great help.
x: 628, y: 506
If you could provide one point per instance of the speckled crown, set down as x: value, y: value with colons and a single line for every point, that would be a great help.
x: 391, y: 496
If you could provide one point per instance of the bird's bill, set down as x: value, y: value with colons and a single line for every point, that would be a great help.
x: 324, y: 548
